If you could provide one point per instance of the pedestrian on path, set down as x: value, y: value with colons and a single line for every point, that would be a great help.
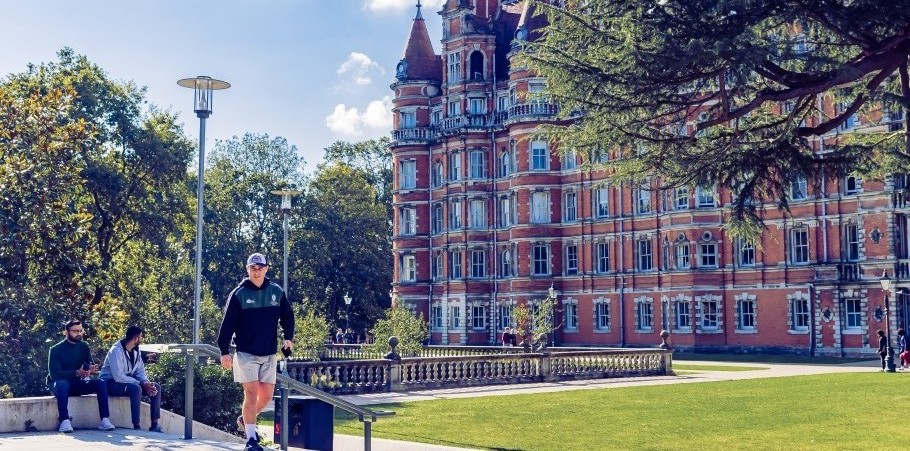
x: 904, y: 352
x: 882, y: 347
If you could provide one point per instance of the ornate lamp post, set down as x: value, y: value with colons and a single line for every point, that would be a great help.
x: 286, y: 195
x: 202, y: 104
x: 886, y: 288
x: 552, y: 293
x: 347, y: 312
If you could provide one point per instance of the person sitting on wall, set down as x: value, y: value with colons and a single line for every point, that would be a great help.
x: 70, y: 370
x: 124, y: 373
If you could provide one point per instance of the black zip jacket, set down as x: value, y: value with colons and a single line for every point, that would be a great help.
x: 252, y: 315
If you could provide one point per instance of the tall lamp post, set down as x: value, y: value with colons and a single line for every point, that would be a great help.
x: 286, y: 195
x: 552, y: 293
x: 347, y: 312
x: 886, y: 288
x: 202, y: 104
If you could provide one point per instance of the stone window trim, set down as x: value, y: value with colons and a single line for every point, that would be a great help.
x: 638, y: 302
x: 700, y: 302
x: 840, y: 312
x: 672, y: 311
x: 571, y: 301
x: 792, y: 298
x: 738, y: 299
x: 602, y: 301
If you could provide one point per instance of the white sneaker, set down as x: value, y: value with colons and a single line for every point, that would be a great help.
x: 106, y: 425
x: 66, y: 426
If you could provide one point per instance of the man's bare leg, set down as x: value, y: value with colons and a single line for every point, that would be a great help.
x: 266, y: 392
x: 250, y: 402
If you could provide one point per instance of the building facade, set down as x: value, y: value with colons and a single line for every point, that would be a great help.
x: 488, y: 215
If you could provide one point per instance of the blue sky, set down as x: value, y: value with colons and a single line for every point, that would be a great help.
x: 312, y: 71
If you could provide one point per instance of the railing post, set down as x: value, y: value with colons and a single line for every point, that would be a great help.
x: 546, y: 367
x: 188, y: 395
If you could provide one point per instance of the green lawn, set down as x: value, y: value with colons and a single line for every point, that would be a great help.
x: 677, y: 367
x: 836, y: 411
x: 763, y: 358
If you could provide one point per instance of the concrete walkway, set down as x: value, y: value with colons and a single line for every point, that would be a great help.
x: 128, y: 439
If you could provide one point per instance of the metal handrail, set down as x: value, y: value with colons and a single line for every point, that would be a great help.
x: 364, y: 415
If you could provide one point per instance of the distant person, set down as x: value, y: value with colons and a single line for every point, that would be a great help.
x: 513, y: 337
x: 904, y: 352
x: 251, y: 316
x: 882, y: 347
x: 124, y: 373
x: 507, y: 336
x: 339, y: 336
x: 348, y: 337
x: 70, y: 368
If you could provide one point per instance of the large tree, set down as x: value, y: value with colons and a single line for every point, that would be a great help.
x: 374, y: 158
x: 727, y: 91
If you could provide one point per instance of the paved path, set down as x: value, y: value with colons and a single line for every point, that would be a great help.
x: 127, y: 439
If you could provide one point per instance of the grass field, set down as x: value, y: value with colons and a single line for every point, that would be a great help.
x: 677, y: 367
x: 835, y: 411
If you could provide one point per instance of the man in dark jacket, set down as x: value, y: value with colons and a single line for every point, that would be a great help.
x: 252, y: 314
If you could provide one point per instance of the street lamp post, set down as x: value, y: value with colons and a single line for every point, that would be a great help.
x: 202, y: 104
x: 886, y: 288
x: 552, y: 293
x: 347, y: 312
x: 286, y: 195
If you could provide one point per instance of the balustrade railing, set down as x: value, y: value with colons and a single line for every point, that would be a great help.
x: 533, y: 109
x: 414, y: 134
x: 849, y: 272
x: 341, y: 377
x: 902, y: 269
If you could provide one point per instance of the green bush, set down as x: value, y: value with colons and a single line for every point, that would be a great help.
x: 310, y: 332
x: 216, y: 397
x: 410, y: 329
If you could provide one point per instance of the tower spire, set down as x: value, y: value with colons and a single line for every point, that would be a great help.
x: 419, y: 16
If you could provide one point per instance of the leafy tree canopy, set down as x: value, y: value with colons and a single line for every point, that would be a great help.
x: 726, y: 91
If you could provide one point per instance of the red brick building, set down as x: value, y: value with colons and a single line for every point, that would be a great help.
x: 488, y: 215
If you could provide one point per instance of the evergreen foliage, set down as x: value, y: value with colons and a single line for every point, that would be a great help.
x: 410, y: 329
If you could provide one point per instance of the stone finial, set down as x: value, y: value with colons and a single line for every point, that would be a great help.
x: 393, y: 355
x: 664, y: 335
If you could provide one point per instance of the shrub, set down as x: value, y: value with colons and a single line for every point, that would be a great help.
x: 410, y: 329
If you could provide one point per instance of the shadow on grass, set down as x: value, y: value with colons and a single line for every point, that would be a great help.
x: 347, y: 422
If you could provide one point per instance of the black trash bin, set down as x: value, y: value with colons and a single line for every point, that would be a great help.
x: 310, y: 422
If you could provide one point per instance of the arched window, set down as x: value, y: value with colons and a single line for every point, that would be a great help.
x: 476, y: 66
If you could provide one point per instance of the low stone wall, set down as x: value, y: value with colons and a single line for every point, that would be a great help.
x: 40, y: 414
x: 482, y: 366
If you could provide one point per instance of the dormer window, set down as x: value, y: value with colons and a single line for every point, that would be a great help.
x: 401, y: 70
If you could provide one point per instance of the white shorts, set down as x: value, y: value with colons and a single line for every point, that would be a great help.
x: 253, y: 368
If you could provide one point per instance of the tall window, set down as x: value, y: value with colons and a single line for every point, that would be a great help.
x: 478, y: 214
x: 505, y: 212
x: 477, y: 105
x: 799, y: 312
x: 851, y: 185
x: 747, y: 314
x: 453, y: 108
x: 505, y: 264
x: 798, y: 188
x: 571, y: 260
x: 645, y: 316
x: 408, y: 174
x: 438, y: 174
x: 645, y: 261
x: 683, y: 315
x: 437, y: 316
x: 478, y: 163
x: 746, y: 252
x: 570, y: 312
x: 456, y: 264
x: 437, y: 265
x: 437, y: 217
x: 505, y: 164
x: 478, y: 263
x: 709, y: 315
x: 454, y: 66
x: 705, y: 196
x: 602, y: 312
x: 708, y: 255
x: 682, y: 255
x: 602, y: 197
x: 408, y: 221
x: 455, y: 166
x: 540, y: 259
x: 478, y: 317
x: 505, y: 316
x: 681, y: 198
x: 408, y: 119
x: 799, y: 246
x: 644, y: 198
x: 408, y: 268
x: 570, y: 207
x: 568, y: 160
x: 540, y: 157
x: 456, y: 317
x: 851, y: 242
x: 853, y: 313
x: 436, y: 116
x: 602, y: 254
x: 540, y: 207
x: 455, y: 215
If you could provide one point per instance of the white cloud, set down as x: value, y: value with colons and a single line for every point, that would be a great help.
x: 399, y: 5
x: 357, y: 68
x: 375, y: 120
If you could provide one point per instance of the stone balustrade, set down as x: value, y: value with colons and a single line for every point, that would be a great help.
x: 479, y: 365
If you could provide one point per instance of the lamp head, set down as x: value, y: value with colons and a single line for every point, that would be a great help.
x: 202, y: 91
x: 347, y: 299
x: 886, y: 281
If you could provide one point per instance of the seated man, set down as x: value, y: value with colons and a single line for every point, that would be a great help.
x: 69, y: 368
x: 124, y: 373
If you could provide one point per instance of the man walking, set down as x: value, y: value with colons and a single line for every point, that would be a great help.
x: 69, y: 371
x: 252, y: 314
x: 124, y: 373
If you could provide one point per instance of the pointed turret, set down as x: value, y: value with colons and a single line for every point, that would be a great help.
x: 419, y: 61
